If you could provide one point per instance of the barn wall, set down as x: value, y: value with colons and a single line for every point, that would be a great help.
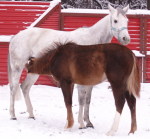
x: 16, y: 16
x: 146, y: 47
x: 3, y: 63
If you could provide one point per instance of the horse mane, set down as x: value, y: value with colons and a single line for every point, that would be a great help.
x: 59, y: 45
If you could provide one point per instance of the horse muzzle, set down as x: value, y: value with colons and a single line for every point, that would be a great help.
x: 124, y: 40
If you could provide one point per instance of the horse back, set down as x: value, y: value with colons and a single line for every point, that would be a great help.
x: 87, y: 66
x: 81, y: 65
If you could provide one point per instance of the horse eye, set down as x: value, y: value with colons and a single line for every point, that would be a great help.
x: 115, y: 21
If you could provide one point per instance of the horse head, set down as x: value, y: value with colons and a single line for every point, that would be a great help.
x: 119, y: 24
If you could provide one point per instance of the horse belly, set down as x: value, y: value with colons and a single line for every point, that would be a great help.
x: 91, y: 80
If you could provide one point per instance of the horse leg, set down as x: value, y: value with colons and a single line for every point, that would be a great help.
x: 14, y: 77
x: 67, y: 90
x: 119, y: 97
x: 131, y: 101
x: 81, y: 99
x: 26, y: 85
x: 84, y: 97
x: 87, y: 105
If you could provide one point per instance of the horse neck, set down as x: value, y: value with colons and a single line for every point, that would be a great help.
x: 102, y: 30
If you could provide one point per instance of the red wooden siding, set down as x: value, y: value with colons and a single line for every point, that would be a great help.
x: 16, y: 16
x: 147, y: 69
x: 146, y: 47
x: 52, y: 19
x: 3, y: 63
x: 134, y: 31
x: 72, y: 21
x: 146, y: 34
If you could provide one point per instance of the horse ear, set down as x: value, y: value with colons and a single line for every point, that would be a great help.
x: 125, y: 9
x: 111, y: 9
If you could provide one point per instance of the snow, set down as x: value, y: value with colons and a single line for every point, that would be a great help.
x: 50, y: 113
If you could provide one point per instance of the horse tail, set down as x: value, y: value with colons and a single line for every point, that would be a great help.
x: 18, y: 92
x: 133, y: 82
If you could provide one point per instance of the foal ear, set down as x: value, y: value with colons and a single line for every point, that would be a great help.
x: 125, y: 9
x: 111, y: 9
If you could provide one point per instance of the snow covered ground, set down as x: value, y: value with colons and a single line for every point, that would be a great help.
x: 50, y: 113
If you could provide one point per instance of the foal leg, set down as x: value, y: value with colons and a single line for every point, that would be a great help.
x: 26, y: 85
x: 119, y: 97
x: 131, y: 101
x: 67, y: 90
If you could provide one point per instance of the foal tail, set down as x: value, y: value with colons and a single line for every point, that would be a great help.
x: 133, y: 82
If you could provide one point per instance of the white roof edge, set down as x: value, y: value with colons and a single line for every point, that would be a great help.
x: 100, y: 11
x: 137, y: 53
x: 5, y: 38
x: 52, y: 5
x: 15, y: 5
x: 90, y: 11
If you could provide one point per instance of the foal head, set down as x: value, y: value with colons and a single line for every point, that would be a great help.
x: 119, y: 24
x: 30, y: 65
x: 40, y: 65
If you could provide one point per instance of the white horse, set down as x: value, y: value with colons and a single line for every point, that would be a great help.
x: 30, y: 42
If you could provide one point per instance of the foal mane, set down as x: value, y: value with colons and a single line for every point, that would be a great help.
x: 57, y: 47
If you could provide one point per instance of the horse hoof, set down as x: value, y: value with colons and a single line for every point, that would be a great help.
x: 131, y: 132
x: 110, y: 133
x: 69, y: 124
x: 32, y: 118
x: 82, y: 127
x: 89, y: 125
x: 13, y: 118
